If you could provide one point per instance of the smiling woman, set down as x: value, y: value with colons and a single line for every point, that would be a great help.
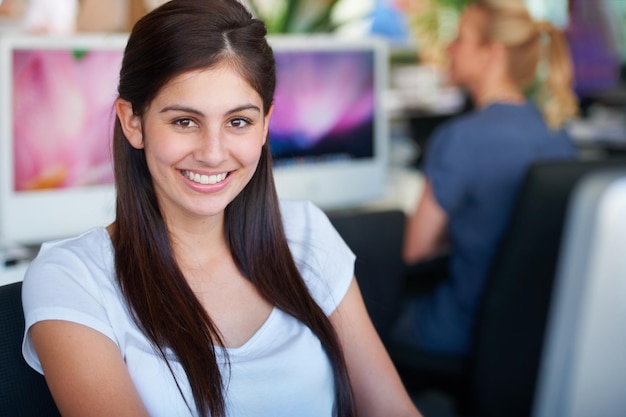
x: 207, y: 291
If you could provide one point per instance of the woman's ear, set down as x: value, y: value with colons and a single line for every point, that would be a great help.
x: 130, y: 122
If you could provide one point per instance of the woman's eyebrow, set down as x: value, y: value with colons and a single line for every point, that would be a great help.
x: 199, y: 113
x: 181, y: 109
x: 244, y: 107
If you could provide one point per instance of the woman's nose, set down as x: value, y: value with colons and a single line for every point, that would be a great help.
x: 211, y: 148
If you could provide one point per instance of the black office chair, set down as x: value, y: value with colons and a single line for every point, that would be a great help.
x: 23, y: 391
x: 376, y: 239
x: 498, y: 378
x: 511, y: 325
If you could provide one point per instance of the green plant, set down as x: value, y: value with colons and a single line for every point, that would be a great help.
x: 295, y: 16
x: 434, y: 24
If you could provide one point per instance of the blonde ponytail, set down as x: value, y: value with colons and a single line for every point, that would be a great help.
x: 555, y: 77
x: 538, y: 57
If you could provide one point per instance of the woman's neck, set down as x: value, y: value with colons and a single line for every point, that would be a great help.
x: 497, y: 91
x: 194, y: 241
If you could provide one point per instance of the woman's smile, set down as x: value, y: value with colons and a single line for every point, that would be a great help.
x: 204, y: 178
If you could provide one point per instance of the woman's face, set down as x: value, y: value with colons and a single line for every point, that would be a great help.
x: 468, y: 52
x: 202, y: 135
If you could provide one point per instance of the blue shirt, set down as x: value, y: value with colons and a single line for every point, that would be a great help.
x: 476, y: 164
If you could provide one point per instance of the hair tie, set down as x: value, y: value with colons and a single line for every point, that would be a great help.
x: 545, y: 30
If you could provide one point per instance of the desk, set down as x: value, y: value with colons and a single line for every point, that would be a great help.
x: 12, y: 273
x: 404, y: 187
x: 14, y: 261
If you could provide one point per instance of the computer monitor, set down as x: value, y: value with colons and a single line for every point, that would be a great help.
x: 328, y: 132
x: 56, y: 121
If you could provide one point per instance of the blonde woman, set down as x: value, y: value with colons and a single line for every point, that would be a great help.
x: 475, y: 163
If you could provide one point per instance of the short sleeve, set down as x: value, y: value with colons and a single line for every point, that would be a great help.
x: 59, y: 285
x: 324, y: 260
x: 448, y: 165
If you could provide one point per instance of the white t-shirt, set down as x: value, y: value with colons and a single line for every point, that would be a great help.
x: 281, y: 371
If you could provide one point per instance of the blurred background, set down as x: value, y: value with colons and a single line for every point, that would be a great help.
x: 419, y: 96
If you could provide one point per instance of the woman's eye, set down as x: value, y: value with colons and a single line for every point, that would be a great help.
x: 239, y: 123
x: 185, y: 123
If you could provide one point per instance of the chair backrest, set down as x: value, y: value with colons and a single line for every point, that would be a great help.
x: 511, y: 323
x: 376, y: 239
x: 583, y: 367
x: 23, y: 391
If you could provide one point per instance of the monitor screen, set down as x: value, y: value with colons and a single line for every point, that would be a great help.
x: 62, y: 118
x: 312, y: 122
x: 327, y: 132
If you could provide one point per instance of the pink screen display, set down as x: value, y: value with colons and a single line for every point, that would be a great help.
x: 63, y: 112
x: 63, y: 117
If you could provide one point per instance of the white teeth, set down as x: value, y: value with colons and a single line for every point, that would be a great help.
x: 204, y: 179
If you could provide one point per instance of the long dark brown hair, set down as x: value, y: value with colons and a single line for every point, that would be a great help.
x: 181, y: 36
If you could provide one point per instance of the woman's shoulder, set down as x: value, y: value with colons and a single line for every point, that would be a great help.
x: 324, y: 260
x: 450, y: 137
x: 494, y: 114
x: 73, y: 280
x: 88, y: 252
x: 298, y: 208
x: 303, y: 221
x: 493, y: 122
x: 309, y: 231
x: 460, y: 126
x: 92, y: 243
x: 301, y: 215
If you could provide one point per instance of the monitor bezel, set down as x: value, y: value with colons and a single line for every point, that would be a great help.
x: 35, y: 217
x: 364, y: 180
